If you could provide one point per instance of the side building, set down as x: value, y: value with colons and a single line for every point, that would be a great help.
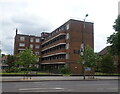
x: 26, y: 41
x: 62, y: 46
x: 106, y: 51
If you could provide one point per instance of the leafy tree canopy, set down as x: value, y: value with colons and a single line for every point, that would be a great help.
x: 114, y: 39
x: 90, y: 57
x: 117, y: 24
x: 10, y: 62
x: 107, y: 64
x: 26, y: 58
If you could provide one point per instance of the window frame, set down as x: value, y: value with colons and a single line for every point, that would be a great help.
x: 31, y: 46
x: 36, y: 40
x: 21, y: 44
x: 22, y: 38
x: 37, y: 46
x: 31, y: 39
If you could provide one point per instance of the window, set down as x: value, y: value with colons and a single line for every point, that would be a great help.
x: 67, y: 46
x: 62, y: 28
x: 76, y: 51
x: 31, y: 46
x: 20, y: 50
x: 37, y: 40
x: 31, y: 40
x: 67, y: 56
x: 67, y: 36
x: 21, y: 44
x: 37, y: 53
x: 37, y: 46
x: 67, y: 26
x: 59, y: 29
x: 56, y: 31
x: 22, y: 38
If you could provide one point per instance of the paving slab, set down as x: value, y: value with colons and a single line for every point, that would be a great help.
x: 52, y: 78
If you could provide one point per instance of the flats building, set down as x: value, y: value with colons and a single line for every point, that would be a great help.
x: 26, y: 41
x: 61, y: 46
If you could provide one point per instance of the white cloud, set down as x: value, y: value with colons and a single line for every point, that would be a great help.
x: 34, y: 16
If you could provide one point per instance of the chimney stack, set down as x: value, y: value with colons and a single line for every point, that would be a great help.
x: 16, y: 31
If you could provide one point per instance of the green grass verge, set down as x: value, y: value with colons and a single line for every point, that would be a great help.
x: 42, y: 73
x: 99, y: 73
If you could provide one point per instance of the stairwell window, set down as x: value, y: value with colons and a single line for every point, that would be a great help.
x: 67, y: 36
x: 67, y: 56
x: 67, y: 46
x: 67, y: 26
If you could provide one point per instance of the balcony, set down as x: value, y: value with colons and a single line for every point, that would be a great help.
x: 53, y: 37
x: 53, y: 44
x: 54, y: 52
x: 59, y: 61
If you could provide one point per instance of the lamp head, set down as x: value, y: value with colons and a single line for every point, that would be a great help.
x: 86, y: 15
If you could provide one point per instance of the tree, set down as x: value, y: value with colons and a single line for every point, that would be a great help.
x: 117, y: 24
x: 90, y: 59
x: 26, y: 59
x: 98, y: 63
x: 3, y: 55
x: 115, y: 43
x: 10, y: 62
x: 107, y: 64
x: 114, y: 40
x: 65, y: 69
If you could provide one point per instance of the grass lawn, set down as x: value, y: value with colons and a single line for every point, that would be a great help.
x: 43, y: 73
x: 99, y: 73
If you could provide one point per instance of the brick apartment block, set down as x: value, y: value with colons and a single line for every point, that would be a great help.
x: 59, y: 47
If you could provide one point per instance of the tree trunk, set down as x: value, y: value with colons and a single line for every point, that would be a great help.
x: 24, y: 75
x: 93, y: 72
x: 118, y: 65
x: 30, y: 74
x: 27, y: 73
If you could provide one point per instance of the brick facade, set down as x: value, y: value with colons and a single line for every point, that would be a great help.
x: 61, y: 46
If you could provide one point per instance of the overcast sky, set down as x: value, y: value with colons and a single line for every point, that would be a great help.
x: 35, y: 16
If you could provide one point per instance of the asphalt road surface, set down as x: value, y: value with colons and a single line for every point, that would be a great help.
x: 62, y: 86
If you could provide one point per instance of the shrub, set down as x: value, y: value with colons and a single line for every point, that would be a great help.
x: 107, y: 64
x: 64, y: 70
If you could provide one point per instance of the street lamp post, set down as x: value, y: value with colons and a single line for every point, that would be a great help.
x: 82, y: 49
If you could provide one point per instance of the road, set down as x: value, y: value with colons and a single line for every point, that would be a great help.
x: 62, y: 86
x: 39, y: 78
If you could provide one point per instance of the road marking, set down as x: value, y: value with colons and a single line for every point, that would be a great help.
x: 101, y: 89
x: 38, y: 82
x: 112, y: 88
x: 39, y: 88
x: 58, y: 88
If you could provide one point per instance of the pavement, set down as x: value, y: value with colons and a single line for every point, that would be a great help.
x: 55, y: 78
